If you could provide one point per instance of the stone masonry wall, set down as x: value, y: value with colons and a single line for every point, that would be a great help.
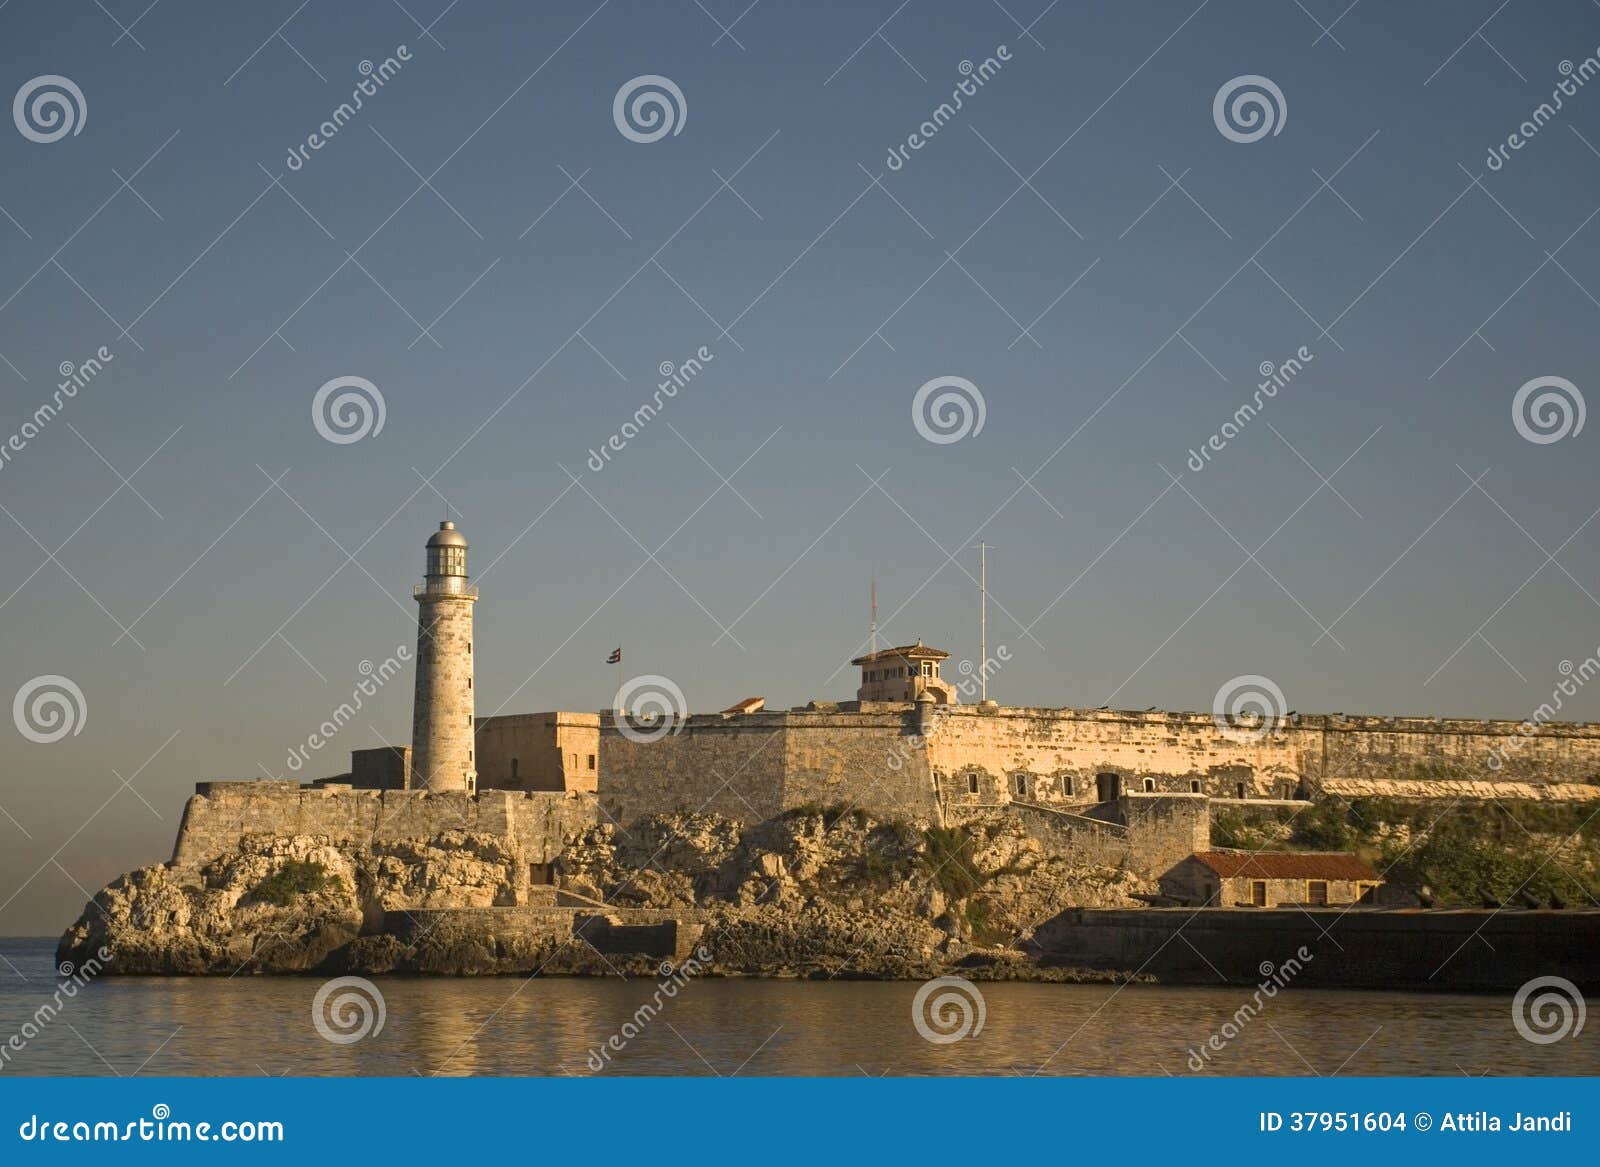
x: 1455, y: 749
x: 751, y: 766
x: 712, y: 766
x: 1053, y: 746
x: 1183, y: 752
x: 538, y: 751
x: 222, y: 813
x: 754, y: 766
x: 874, y: 761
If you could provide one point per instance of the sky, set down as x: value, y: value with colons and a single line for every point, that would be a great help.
x: 502, y: 257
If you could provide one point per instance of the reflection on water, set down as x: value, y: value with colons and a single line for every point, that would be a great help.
x: 263, y: 1026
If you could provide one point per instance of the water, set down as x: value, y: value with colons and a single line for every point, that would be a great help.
x: 506, y: 1025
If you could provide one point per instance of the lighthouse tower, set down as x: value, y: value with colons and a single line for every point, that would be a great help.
x: 441, y: 717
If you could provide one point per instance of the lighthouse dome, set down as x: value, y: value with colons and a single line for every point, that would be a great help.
x: 447, y: 536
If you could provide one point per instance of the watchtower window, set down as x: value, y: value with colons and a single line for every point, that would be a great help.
x: 1240, y: 788
x: 1149, y: 784
x: 591, y: 761
x: 1194, y: 786
x: 927, y: 668
x: 972, y: 784
x: 1066, y: 785
x: 1022, y: 784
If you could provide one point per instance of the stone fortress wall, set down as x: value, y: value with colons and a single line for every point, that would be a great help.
x: 1063, y: 753
x: 220, y: 814
x: 1111, y: 785
x: 902, y: 763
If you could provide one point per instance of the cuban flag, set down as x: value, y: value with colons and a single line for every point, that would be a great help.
x: 616, y: 656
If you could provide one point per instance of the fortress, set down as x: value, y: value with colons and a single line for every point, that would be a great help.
x: 1113, y: 786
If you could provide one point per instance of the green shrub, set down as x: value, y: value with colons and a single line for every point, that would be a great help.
x: 296, y: 878
x: 831, y: 814
x: 880, y: 871
x: 1488, y: 850
x: 1324, y: 826
x: 948, y: 857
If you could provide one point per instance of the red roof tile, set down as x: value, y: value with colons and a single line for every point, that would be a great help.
x: 1287, y: 865
x: 917, y: 651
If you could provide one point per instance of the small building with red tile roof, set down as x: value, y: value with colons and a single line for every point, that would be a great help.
x: 1271, y: 879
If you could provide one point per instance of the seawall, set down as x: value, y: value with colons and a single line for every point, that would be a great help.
x: 1475, y: 950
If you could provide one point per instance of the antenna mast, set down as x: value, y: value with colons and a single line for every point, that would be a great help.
x: 874, y: 636
x: 983, y: 621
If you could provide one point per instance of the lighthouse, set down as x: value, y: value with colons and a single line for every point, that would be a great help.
x: 442, y: 717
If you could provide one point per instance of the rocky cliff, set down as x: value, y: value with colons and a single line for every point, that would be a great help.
x: 810, y: 893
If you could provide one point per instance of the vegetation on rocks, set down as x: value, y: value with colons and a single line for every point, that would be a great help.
x: 1466, y: 853
x: 296, y: 878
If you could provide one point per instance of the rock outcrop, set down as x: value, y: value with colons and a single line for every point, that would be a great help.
x: 809, y: 893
